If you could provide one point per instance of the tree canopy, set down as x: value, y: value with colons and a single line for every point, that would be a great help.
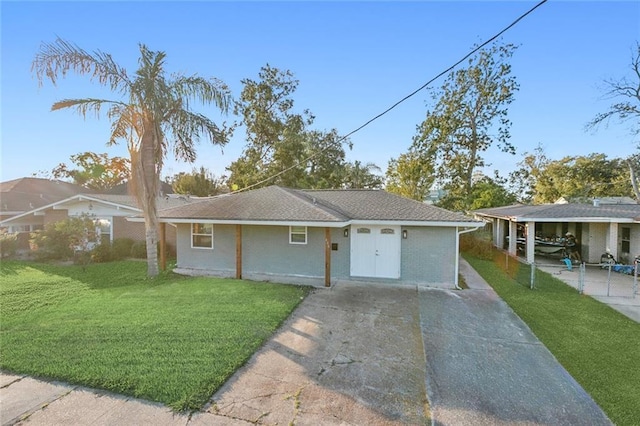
x: 626, y: 92
x: 94, y: 171
x: 199, y: 183
x: 575, y: 178
x: 468, y: 118
x: 411, y: 175
x: 281, y: 148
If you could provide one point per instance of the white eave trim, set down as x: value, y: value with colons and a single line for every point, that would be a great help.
x: 442, y: 224
x: 246, y: 222
x: 474, y: 225
x: 55, y: 206
x: 571, y: 219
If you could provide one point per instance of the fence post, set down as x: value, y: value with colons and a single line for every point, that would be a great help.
x: 609, y: 279
x: 635, y: 277
x: 581, y: 278
x: 533, y: 275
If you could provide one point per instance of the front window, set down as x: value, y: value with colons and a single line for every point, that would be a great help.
x: 297, y: 235
x: 202, y: 235
x: 103, y: 230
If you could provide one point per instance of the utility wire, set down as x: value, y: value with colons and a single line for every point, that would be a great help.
x: 341, y: 139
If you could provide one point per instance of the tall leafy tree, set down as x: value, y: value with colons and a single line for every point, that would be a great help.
x: 582, y: 178
x: 530, y: 171
x: 151, y: 112
x: 469, y: 117
x: 281, y: 149
x: 94, y: 171
x: 411, y: 175
x: 491, y: 192
x: 626, y: 92
x: 362, y: 176
x: 199, y: 183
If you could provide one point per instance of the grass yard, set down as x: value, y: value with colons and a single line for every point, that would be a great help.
x: 597, y: 345
x: 173, y: 339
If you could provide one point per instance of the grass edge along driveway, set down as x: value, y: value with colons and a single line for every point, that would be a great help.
x: 597, y: 345
x: 173, y: 339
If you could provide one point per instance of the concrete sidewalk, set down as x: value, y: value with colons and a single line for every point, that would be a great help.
x: 355, y: 354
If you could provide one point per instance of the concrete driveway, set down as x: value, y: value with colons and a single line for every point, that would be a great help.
x: 355, y: 355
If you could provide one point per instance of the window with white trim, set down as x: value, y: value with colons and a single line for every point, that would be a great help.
x: 297, y: 235
x: 202, y: 235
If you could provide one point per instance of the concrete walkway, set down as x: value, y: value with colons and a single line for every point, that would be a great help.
x: 354, y: 355
x: 614, y: 289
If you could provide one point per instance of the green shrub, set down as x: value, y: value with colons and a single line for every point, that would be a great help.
x: 121, y: 248
x: 8, y: 244
x: 139, y: 250
x: 60, y: 240
x: 478, y: 244
x: 102, y: 252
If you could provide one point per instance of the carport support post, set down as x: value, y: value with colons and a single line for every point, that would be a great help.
x: 163, y: 246
x: 238, y: 252
x: 327, y: 257
x: 531, y: 243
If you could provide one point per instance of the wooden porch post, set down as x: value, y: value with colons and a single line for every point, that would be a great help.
x: 238, y: 252
x: 163, y: 246
x: 327, y: 257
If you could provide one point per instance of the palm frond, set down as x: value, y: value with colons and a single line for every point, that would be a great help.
x: 82, y: 106
x: 206, y: 91
x: 56, y: 59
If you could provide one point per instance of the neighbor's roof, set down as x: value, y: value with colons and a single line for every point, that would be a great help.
x: 120, y: 201
x: 565, y: 212
x: 277, y: 204
x: 24, y: 194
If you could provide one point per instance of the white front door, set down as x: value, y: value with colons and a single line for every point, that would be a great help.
x: 375, y: 251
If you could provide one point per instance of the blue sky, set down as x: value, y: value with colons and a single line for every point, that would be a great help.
x: 353, y: 60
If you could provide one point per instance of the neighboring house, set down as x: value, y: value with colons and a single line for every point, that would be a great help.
x: 599, y: 228
x: 19, y: 196
x: 125, y: 189
x: 108, y: 211
x: 319, y: 237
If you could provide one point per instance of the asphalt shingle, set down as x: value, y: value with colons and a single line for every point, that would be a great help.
x: 275, y: 203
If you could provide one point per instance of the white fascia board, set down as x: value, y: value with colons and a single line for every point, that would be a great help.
x: 109, y: 203
x: 248, y: 222
x: 320, y: 224
x: 439, y: 224
x: 576, y: 219
x: 56, y: 206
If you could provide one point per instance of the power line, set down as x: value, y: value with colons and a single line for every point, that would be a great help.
x: 341, y: 139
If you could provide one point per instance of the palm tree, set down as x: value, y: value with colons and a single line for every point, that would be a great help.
x: 152, y: 115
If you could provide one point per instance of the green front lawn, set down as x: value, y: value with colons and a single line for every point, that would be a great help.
x: 173, y: 339
x: 597, y: 345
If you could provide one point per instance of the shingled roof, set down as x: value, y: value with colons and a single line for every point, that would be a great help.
x: 24, y: 194
x: 565, y: 212
x: 277, y: 204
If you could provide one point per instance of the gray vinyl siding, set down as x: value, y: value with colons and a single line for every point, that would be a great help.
x: 266, y: 249
x: 340, y: 261
x: 428, y: 256
x: 221, y: 258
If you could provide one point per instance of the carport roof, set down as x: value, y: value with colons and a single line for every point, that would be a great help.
x: 565, y: 213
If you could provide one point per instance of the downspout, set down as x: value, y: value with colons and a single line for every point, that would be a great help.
x: 457, y: 262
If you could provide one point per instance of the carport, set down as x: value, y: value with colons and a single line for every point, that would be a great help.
x: 599, y: 228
